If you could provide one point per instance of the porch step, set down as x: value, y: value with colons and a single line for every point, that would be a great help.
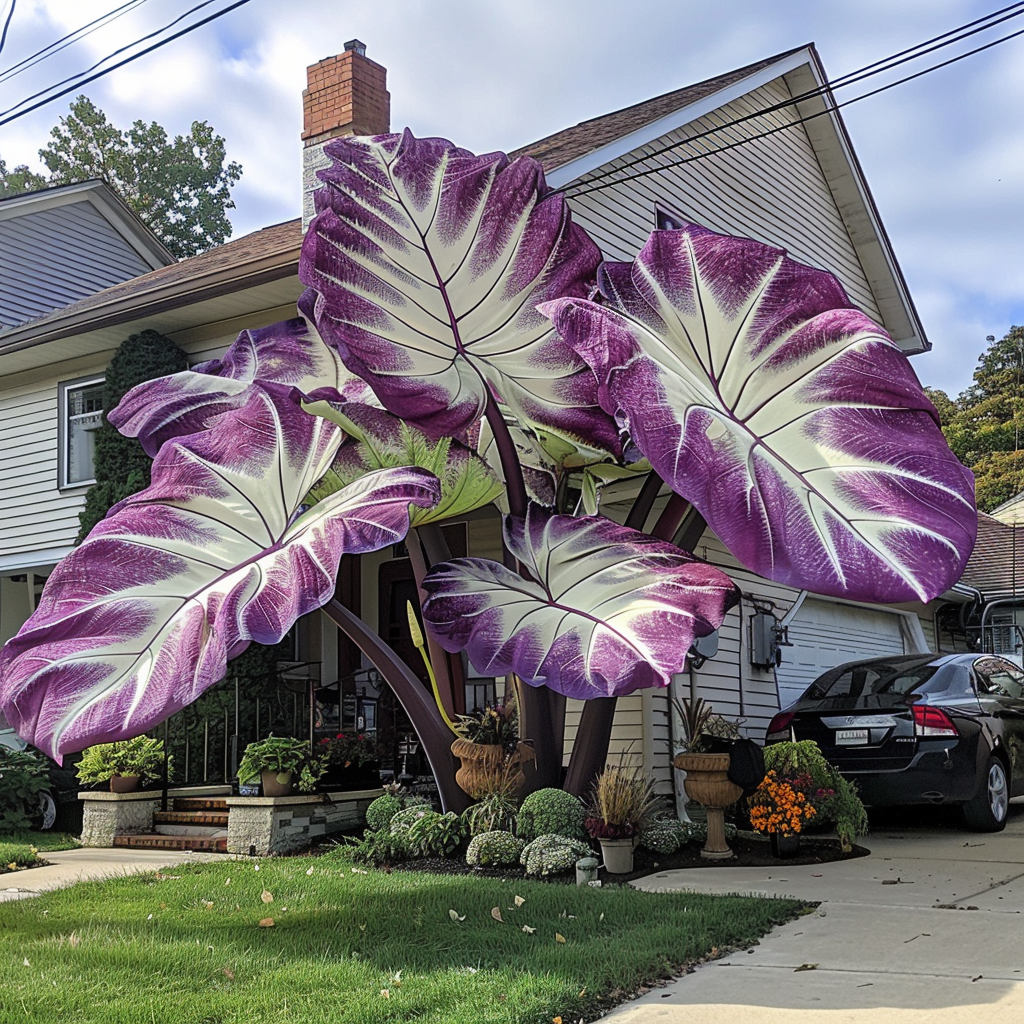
x: 200, y: 803
x: 217, y: 819
x: 153, y: 842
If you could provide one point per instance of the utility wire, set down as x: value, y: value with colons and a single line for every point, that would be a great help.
x: 72, y: 37
x: 7, y: 25
x: 79, y: 79
x: 851, y: 78
x: 585, y: 188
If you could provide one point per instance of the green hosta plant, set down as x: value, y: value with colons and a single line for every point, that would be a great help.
x: 23, y: 777
x: 437, y: 835
x: 494, y: 849
x: 282, y: 755
x: 141, y: 755
x: 403, y: 821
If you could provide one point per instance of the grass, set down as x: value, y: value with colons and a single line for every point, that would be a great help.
x: 20, y: 850
x: 350, y: 945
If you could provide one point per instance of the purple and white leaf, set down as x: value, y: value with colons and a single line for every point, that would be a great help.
x: 606, y: 609
x: 791, y: 421
x: 141, y: 618
x: 290, y: 352
x: 425, y: 266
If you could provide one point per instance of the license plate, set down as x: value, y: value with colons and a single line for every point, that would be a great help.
x: 851, y: 737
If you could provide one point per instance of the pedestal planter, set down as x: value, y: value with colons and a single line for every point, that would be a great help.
x: 617, y: 855
x: 124, y: 783
x: 276, y: 783
x: 784, y: 844
x: 481, y: 762
x: 707, y: 782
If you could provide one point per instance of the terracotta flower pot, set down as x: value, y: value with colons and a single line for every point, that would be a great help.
x: 124, y: 783
x: 707, y: 782
x: 617, y: 855
x: 481, y: 763
x: 276, y: 783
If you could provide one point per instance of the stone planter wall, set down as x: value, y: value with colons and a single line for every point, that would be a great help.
x: 264, y: 824
x: 116, y: 814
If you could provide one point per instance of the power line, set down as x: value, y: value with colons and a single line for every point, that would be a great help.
x: 77, y: 79
x: 586, y: 188
x: 7, y: 25
x: 72, y: 37
x: 851, y: 78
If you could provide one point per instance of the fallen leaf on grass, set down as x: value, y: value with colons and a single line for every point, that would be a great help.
x: 805, y: 967
x: 267, y: 897
x: 455, y: 916
x: 496, y: 914
x: 227, y: 882
x: 359, y: 871
x: 309, y: 871
x: 559, y: 937
x: 267, y: 922
x: 228, y: 973
x: 385, y: 993
x: 528, y: 929
x: 519, y: 901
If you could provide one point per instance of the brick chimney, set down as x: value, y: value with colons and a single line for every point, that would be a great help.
x: 345, y: 95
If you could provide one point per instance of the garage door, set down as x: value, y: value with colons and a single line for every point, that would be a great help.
x: 825, y: 634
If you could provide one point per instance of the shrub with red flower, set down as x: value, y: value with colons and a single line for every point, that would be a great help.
x: 347, y: 749
x: 780, y: 805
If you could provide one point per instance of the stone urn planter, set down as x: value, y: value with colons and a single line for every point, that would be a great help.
x: 481, y: 762
x: 707, y: 783
x: 124, y: 783
x: 276, y: 783
x: 617, y: 855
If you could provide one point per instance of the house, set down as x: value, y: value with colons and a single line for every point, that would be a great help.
x: 793, y: 182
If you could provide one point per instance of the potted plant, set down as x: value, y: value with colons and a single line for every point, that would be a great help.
x: 488, y: 745
x: 780, y: 809
x: 281, y: 763
x: 707, y: 772
x: 124, y: 764
x: 622, y: 802
x: 351, y: 760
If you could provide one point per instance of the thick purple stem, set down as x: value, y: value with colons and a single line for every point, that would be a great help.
x: 515, y: 486
x: 418, y: 702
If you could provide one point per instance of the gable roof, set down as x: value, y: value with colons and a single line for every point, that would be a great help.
x: 1012, y: 511
x: 996, y: 566
x: 570, y: 144
x: 60, y: 244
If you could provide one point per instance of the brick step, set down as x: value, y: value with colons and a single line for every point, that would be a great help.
x: 190, y: 830
x: 177, y: 817
x: 152, y: 842
x: 200, y: 803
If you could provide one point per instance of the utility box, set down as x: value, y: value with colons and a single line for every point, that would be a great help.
x: 765, y: 637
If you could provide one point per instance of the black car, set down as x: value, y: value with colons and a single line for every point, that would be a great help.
x: 920, y: 729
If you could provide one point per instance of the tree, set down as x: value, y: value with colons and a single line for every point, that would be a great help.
x: 179, y: 187
x: 986, y: 431
x: 463, y: 297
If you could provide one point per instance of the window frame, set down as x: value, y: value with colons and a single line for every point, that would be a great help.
x: 64, y: 431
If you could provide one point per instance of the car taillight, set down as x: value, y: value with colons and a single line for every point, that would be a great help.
x: 778, y: 729
x: 929, y: 721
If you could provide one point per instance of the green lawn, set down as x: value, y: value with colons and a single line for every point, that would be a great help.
x: 21, y: 849
x: 187, y: 946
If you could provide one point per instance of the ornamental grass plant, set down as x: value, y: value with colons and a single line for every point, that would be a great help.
x: 622, y: 802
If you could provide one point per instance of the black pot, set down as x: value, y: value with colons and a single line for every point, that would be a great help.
x: 785, y: 844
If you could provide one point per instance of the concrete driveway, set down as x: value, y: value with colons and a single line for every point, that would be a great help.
x: 929, y: 928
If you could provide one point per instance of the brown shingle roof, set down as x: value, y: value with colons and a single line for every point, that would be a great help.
x: 570, y: 144
x: 996, y: 566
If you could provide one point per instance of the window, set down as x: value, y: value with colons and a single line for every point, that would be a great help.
x: 80, y: 404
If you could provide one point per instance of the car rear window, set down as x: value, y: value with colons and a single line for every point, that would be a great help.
x: 879, y: 677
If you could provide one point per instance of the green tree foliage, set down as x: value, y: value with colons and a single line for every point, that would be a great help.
x: 986, y: 430
x: 180, y: 187
x: 121, y: 466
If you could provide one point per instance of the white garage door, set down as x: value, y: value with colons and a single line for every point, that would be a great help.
x: 825, y: 634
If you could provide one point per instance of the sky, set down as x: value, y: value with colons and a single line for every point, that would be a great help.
x: 943, y: 155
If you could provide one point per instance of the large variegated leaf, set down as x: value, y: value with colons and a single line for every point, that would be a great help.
x: 790, y: 420
x: 606, y: 609
x: 378, y: 440
x: 141, y: 618
x: 426, y: 264
x: 290, y: 352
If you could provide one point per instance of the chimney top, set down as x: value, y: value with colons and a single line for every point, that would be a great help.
x: 357, y: 46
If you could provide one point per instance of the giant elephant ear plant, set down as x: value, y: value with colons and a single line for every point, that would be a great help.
x: 484, y: 334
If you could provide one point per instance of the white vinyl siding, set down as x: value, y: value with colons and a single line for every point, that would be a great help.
x: 772, y: 190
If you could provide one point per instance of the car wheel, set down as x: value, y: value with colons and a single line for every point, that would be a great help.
x: 46, y: 813
x: 988, y: 810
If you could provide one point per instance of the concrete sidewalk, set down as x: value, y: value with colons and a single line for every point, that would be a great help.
x: 928, y: 928
x: 66, y: 867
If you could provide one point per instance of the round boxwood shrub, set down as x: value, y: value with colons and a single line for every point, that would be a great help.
x: 551, y: 812
x: 552, y: 854
x: 495, y: 849
x: 381, y: 811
